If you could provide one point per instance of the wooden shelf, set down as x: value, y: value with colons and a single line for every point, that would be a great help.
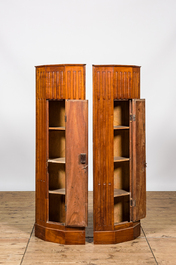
x: 57, y: 128
x: 60, y: 160
x: 120, y: 159
x: 58, y: 191
x: 118, y: 193
x: 121, y: 127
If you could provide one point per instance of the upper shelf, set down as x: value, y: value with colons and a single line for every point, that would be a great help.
x: 57, y: 128
x: 60, y: 160
x: 120, y: 159
x: 121, y: 127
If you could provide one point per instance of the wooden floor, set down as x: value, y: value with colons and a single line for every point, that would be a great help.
x: 18, y: 245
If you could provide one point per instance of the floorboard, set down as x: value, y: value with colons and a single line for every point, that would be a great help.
x: 18, y: 245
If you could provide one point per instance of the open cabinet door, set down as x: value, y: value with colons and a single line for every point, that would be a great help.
x: 76, y: 163
x: 138, y: 160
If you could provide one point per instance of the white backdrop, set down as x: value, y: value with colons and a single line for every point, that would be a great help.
x: 35, y: 32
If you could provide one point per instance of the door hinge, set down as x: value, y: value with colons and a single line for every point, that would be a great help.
x: 65, y: 118
x: 65, y: 207
x: 132, y: 117
x: 132, y: 203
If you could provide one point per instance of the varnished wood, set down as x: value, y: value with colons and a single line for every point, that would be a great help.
x: 76, y: 172
x: 117, y: 92
x: 52, y: 89
x: 103, y: 148
x: 117, y: 236
x: 139, y: 159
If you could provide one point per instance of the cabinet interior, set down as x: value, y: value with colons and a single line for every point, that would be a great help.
x: 56, y: 161
x: 121, y: 162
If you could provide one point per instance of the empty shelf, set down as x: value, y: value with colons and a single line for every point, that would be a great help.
x: 58, y: 191
x: 121, y: 127
x: 60, y: 160
x: 118, y: 193
x: 57, y: 128
x: 120, y: 159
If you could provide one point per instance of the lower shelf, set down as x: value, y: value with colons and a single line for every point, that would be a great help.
x: 58, y: 191
x: 118, y: 193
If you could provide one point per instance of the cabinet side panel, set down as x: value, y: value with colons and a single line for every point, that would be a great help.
x: 41, y: 170
x: 136, y: 83
x: 103, y: 160
x: 75, y: 82
x: 76, y: 163
x: 55, y: 82
x: 139, y: 160
x: 122, y: 82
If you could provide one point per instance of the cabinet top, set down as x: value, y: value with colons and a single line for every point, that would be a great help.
x: 54, y: 65
x: 114, y: 65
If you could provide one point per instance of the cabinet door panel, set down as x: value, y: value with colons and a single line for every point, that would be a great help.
x: 76, y: 163
x: 138, y: 159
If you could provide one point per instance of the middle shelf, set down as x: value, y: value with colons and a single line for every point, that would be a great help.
x: 120, y: 159
x: 60, y: 160
x: 57, y: 128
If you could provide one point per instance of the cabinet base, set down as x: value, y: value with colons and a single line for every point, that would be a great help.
x: 117, y: 236
x: 73, y: 237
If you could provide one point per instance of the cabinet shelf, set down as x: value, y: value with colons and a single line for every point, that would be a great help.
x: 60, y: 160
x: 58, y: 191
x: 121, y: 127
x: 120, y: 159
x: 57, y: 128
x: 118, y: 193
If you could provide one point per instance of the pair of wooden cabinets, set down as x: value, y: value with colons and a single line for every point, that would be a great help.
x: 62, y: 154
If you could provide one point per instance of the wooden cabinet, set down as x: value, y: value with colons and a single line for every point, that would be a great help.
x: 61, y: 154
x: 118, y: 153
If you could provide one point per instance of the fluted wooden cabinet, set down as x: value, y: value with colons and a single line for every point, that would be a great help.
x: 61, y: 154
x: 118, y: 153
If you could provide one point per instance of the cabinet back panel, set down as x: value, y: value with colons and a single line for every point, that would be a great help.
x: 57, y: 114
x: 56, y: 176
x: 121, y: 113
x: 56, y: 144
x: 57, y: 208
x: 121, y: 209
x: 121, y: 176
x: 121, y: 143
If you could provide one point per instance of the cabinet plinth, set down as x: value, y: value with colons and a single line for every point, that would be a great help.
x: 118, y: 153
x: 61, y: 212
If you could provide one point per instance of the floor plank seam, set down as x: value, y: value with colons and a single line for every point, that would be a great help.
x: 149, y: 245
x: 27, y: 245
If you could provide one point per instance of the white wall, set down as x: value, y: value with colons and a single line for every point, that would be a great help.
x: 35, y: 32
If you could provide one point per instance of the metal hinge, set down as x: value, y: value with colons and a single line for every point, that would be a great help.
x: 132, y: 117
x: 65, y: 118
x: 132, y: 203
x: 65, y: 207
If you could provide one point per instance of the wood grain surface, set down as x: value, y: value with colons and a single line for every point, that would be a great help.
x: 54, y: 84
x: 76, y: 172
x: 139, y: 159
x: 18, y: 245
x: 103, y: 152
